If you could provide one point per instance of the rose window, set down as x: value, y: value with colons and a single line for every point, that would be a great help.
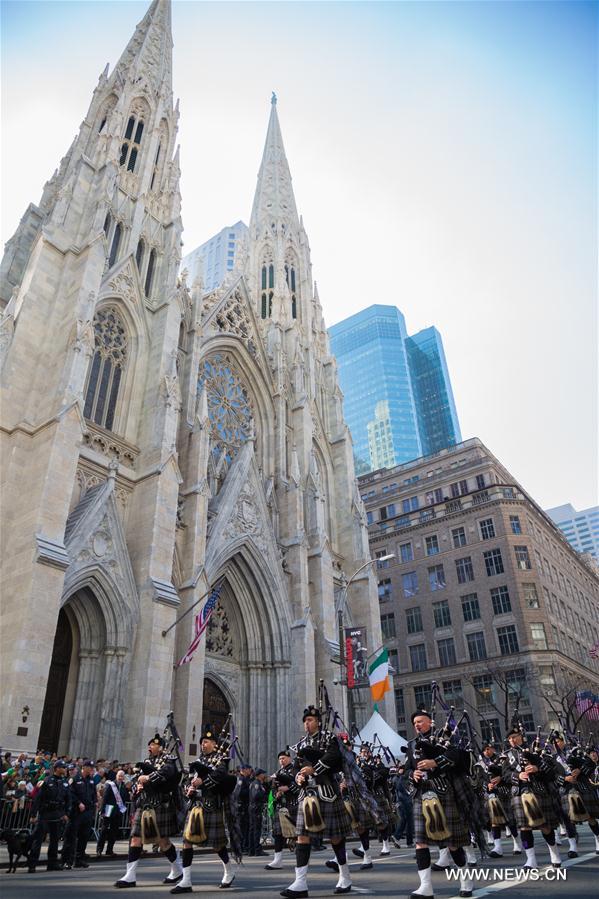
x: 229, y: 407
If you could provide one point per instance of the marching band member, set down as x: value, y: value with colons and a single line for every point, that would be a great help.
x: 286, y: 794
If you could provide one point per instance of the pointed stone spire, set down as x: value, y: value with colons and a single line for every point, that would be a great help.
x: 149, y: 52
x: 274, y: 202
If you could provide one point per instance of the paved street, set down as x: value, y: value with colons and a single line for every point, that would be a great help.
x: 392, y: 877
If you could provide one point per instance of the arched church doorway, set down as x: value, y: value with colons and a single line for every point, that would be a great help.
x: 215, y: 708
x: 58, y: 677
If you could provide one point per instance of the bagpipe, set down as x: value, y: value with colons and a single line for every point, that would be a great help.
x: 171, y: 785
x: 206, y: 766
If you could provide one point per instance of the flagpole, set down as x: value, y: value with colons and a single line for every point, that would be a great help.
x: 181, y: 617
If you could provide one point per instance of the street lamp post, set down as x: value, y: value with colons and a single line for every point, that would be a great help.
x: 340, y: 611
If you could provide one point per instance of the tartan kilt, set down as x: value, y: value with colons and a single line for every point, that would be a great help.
x: 337, y: 822
x: 547, y: 808
x: 276, y: 824
x: 458, y: 828
x: 590, y: 800
x: 214, y: 825
x: 504, y: 796
x: 365, y: 820
x: 166, y: 819
x: 387, y: 812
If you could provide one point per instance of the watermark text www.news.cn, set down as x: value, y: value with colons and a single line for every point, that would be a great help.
x: 506, y: 874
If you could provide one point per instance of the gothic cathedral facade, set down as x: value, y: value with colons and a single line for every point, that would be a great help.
x: 158, y: 441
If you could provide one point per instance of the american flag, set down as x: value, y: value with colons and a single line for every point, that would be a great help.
x: 594, y: 650
x: 201, y: 623
x: 587, y: 703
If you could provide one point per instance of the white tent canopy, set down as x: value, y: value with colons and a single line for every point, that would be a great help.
x: 378, y: 727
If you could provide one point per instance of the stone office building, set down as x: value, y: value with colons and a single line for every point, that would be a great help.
x: 485, y: 596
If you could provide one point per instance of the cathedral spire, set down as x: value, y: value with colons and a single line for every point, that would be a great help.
x: 149, y: 52
x: 274, y: 203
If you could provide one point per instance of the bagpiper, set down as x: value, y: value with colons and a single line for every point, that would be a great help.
x: 376, y: 775
x: 496, y: 797
x: 320, y: 808
x: 209, y: 813
x: 578, y: 788
x: 532, y: 778
x: 435, y: 773
x: 286, y: 796
x: 155, y: 818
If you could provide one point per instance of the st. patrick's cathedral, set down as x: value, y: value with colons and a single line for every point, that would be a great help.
x: 158, y: 440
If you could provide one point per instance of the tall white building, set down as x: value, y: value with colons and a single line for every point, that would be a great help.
x: 581, y: 529
x: 215, y: 258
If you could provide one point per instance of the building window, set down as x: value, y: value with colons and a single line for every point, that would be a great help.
x: 539, y: 637
x: 446, y: 652
x: 452, y: 692
x: 410, y: 583
x: 501, y: 600
x: 487, y: 529
x: 547, y: 678
x: 106, y: 369
x: 528, y: 723
x: 515, y: 524
x: 388, y: 626
x: 458, y: 535
x: 463, y: 487
x: 522, y: 557
x: 490, y: 730
x: 369, y: 518
x: 379, y: 555
x: 393, y: 661
x: 493, y: 562
x: 508, y: 640
x: 531, y: 597
x: 436, y: 577
x: 131, y: 143
x: 464, y: 570
x: 442, y: 614
x: 477, y: 649
x: 484, y: 689
x: 414, y: 620
x: 400, y: 706
x: 139, y: 254
x: 432, y: 545
x: 406, y: 552
x: 150, y: 273
x: 480, y: 481
x: 423, y: 696
x: 470, y: 607
x: 385, y: 590
x: 114, y: 249
x: 418, y: 657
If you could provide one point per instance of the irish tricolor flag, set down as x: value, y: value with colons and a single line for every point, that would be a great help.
x: 378, y: 676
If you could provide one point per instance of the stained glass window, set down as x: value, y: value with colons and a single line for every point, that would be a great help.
x: 104, y: 379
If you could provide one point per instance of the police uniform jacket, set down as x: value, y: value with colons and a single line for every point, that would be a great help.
x: 53, y: 801
x: 83, y: 790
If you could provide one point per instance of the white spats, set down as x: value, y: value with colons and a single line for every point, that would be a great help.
x: 517, y: 844
x: 176, y: 868
x: 465, y: 882
x: 130, y: 873
x: 572, y: 844
x: 444, y: 860
x: 597, y: 844
x: 277, y: 861
x: 497, y: 848
x: 531, y: 859
x: 186, y: 879
x: 344, y: 877
x: 300, y: 883
x: 228, y: 875
x: 386, y: 849
x: 471, y: 858
x: 554, y: 855
x: 426, y: 883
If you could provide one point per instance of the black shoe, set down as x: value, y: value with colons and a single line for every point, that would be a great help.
x: 81, y: 864
x: 409, y: 845
x: 332, y: 865
x: 342, y: 889
x: 384, y: 853
x: 294, y: 894
x: 55, y: 866
x: 125, y: 884
x: 366, y: 867
x: 176, y: 890
x: 172, y: 880
x: 225, y: 886
x: 31, y: 869
x: 437, y: 867
x: 517, y: 852
x: 358, y: 852
x: 67, y: 866
x: 556, y: 864
x: 494, y: 854
x: 572, y: 854
x: 273, y: 867
x: 420, y: 896
x: 465, y: 893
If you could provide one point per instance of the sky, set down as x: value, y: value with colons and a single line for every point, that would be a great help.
x: 444, y: 158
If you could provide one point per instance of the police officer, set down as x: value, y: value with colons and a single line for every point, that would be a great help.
x: 241, y: 800
x: 258, y: 799
x: 83, y: 807
x: 50, y: 810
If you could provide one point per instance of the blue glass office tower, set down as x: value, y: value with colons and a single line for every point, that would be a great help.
x: 398, y: 399
x: 375, y: 380
x: 435, y: 409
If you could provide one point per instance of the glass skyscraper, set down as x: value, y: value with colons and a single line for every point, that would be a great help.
x: 581, y: 529
x: 398, y: 398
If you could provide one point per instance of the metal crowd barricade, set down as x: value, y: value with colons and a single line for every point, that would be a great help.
x: 125, y: 823
x: 18, y: 819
